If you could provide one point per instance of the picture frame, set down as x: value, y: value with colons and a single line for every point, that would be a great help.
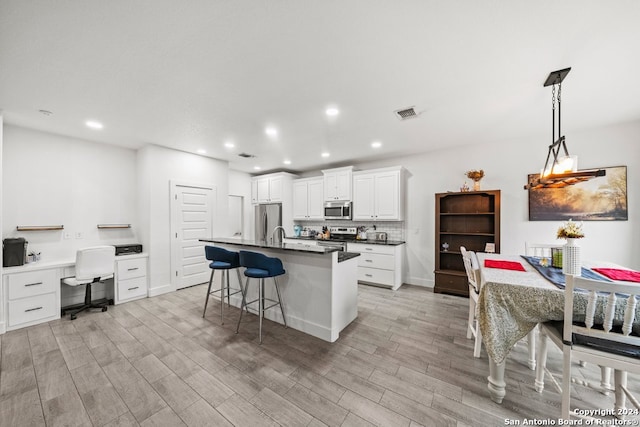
x: 599, y: 199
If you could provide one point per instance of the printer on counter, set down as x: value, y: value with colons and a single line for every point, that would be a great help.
x: 128, y: 249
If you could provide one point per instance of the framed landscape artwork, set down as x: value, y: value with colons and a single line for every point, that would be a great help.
x: 602, y: 198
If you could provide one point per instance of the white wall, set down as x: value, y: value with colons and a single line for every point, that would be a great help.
x: 156, y: 167
x: 55, y: 180
x: 506, y: 166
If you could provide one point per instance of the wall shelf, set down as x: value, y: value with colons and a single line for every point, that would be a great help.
x: 113, y: 226
x: 39, y: 227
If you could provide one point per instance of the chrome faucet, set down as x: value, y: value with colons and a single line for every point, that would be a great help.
x: 275, y: 231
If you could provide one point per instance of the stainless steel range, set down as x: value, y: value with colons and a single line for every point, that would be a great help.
x: 338, y: 237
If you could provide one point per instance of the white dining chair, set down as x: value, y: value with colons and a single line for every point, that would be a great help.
x: 542, y: 250
x: 609, y: 345
x: 472, y: 268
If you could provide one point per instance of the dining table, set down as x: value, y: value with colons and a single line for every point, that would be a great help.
x: 515, y: 296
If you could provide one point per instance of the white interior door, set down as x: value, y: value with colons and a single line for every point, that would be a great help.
x: 193, y: 208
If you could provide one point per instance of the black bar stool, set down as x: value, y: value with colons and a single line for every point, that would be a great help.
x: 223, y: 260
x: 259, y: 266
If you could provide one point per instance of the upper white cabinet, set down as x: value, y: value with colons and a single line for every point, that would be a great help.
x: 270, y: 188
x: 337, y: 183
x: 308, y: 199
x: 378, y: 195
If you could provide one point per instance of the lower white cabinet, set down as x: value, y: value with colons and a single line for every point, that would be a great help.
x: 379, y: 264
x: 32, y: 297
x: 131, y: 278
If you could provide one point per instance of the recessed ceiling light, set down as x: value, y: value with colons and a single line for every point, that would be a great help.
x: 257, y: 168
x: 229, y: 144
x: 332, y: 111
x: 201, y: 151
x: 325, y: 154
x: 287, y: 162
x: 93, y: 124
x: 376, y: 144
x: 271, y: 131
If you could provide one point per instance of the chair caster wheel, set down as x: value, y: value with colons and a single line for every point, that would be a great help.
x: 73, y: 317
x: 104, y: 309
x: 110, y: 302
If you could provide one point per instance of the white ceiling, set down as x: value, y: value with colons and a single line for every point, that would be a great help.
x: 194, y: 75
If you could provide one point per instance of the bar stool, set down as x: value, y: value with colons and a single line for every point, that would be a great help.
x: 223, y: 260
x: 259, y: 266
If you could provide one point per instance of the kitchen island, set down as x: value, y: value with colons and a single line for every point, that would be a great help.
x: 319, y: 290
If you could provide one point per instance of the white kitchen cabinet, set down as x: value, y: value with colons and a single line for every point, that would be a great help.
x: 337, y: 183
x: 308, y: 199
x: 131, y: 278
x: 379, y: 265
x: 378, y: 195
x: 32, y: 297
x: 271, y: 188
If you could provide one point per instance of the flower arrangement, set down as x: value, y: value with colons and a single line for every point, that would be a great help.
x: 570, y: 230
x: 475, y: 175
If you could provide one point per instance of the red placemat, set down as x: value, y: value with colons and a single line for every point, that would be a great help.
x: 619, y: 274
x: 505, y: 265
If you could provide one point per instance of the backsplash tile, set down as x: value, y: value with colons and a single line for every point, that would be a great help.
x: 394, y: 229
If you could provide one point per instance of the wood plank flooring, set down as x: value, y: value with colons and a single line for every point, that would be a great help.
x: 405, y: 361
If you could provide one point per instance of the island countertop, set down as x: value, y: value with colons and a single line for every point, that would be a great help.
x: 298, y: 247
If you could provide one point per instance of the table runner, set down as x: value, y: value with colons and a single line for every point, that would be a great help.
x: 555, y: 274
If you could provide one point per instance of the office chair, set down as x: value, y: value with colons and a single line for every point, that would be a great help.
x: 94, y: 264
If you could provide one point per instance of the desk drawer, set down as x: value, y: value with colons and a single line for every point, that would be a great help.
x: 130, y: 268
x: 32, y: 283
x: 132, y: 288
x: 385, y: 262
x: 375, y: 275
x: 32, y: 309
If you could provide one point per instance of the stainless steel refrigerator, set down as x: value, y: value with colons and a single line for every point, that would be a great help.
x: 267, y: 218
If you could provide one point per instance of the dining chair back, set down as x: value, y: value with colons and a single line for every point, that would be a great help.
x: 599, y: 339
x: 472, y: 268
x: 541, y: 250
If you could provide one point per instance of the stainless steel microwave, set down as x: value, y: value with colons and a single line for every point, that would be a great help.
x: 337, y: 210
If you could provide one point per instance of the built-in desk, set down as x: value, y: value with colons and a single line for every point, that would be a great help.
x: 32, y: 293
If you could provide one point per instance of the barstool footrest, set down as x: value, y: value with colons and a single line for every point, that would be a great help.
x: 236, y: 291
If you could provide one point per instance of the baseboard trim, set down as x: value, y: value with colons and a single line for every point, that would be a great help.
x: 419, y: 281
x: 159, y: 290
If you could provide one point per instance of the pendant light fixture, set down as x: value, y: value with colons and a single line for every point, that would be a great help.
x: 560, y: 168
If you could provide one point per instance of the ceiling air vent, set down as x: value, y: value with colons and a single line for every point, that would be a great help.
x: 246, y: 155
x: 406, y: 113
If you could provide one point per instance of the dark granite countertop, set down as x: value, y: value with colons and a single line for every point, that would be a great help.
x: 364, y: 242
x: 298, y: 247
x: 345, y: 256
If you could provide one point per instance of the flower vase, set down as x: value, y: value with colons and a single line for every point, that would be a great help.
x: 476, y: 185
x: 571, y: 258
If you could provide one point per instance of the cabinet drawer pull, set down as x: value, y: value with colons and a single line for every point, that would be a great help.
x: 368, y: 275
x: 132, y: 269
x: 368, y: 260
x: 368, y: 249
x: 33, y: 309
x: 130, y: 289
x: 33, y: 284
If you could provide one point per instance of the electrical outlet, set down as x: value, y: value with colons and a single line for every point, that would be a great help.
x: 79, y: 235
x: 67, y: 235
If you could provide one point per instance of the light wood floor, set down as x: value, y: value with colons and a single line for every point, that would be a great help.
x: 405, y: 361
